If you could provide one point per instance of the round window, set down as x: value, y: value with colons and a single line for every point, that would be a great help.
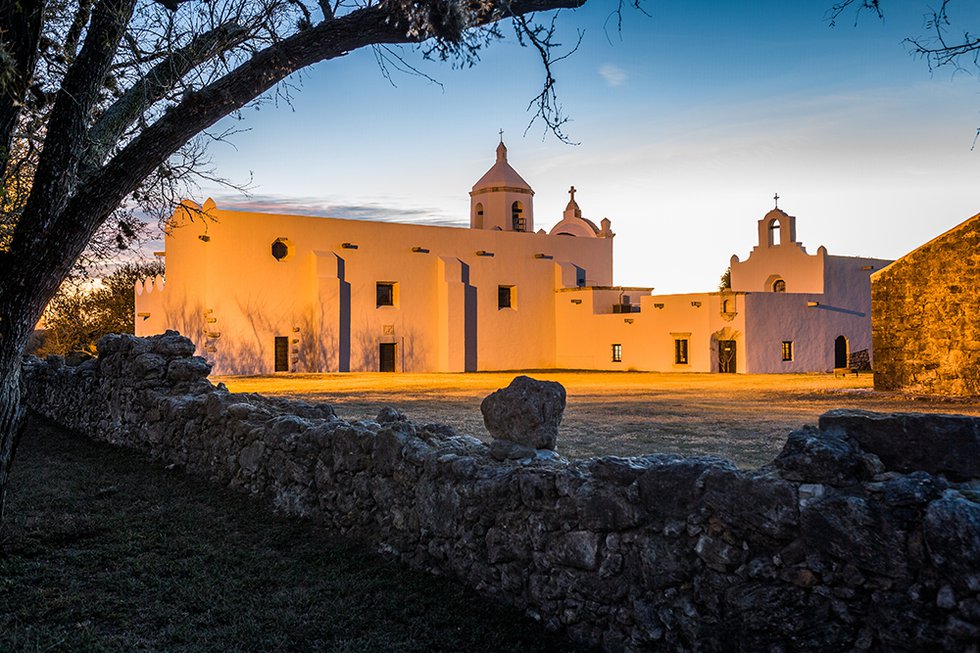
x: 279, y: 250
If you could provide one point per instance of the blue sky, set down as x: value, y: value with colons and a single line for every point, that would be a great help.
x: 687, y: 122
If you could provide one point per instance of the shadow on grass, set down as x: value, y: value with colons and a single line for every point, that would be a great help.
x: 103, y: 551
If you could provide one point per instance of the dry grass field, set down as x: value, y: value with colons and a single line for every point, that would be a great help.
x: 741, y: 417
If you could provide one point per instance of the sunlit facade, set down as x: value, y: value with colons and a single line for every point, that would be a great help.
x: 262, y: 293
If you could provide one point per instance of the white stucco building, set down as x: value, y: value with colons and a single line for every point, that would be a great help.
x: 260, y: 293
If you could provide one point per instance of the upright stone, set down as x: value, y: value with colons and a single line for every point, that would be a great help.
x: 527, y: 412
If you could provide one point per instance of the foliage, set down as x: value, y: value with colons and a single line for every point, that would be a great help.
x: 79, y: 315
x: 725, y: 283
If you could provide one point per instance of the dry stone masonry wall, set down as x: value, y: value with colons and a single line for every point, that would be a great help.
x: 848, y: 541
x: 926, y: 317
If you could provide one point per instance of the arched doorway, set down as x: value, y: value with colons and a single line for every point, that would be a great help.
x: 840, y: 351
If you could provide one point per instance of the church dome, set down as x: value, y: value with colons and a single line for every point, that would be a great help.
x: 501, y: 175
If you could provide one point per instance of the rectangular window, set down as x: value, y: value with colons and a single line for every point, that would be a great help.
x: 617, y: 353
x: 680, y: 351
x: 787, y: 350
x: 386, y: 293
x: 506, y: 297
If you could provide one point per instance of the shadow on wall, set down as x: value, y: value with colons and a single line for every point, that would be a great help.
x: 470, y: 321
x: 191, y: 321
x: 343, y: 340
x: 409, y: 349
x: 318, y: 342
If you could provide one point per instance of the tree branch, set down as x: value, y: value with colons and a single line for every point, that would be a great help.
x: 82, y: 15
x: 43, y: 267
x: 20, y: 33
x: 154, y: 86
x: 64, y: 143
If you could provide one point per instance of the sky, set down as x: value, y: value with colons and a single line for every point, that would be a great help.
x: 686, y: 123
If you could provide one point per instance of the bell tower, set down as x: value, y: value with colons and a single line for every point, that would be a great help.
x: 501, y: 199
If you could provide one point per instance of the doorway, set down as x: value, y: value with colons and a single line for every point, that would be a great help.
x: 386, y: 356
x: 727, y: 359
x: 840, y: 351
x: 282, y: 354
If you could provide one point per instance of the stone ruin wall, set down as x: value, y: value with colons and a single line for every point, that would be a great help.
x: 846, y: 542
x: 926, y: 317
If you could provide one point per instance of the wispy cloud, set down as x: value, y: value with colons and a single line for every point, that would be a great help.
x: 377, y: 211
x: 614, y: 75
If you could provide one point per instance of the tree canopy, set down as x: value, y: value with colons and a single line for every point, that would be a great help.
x: 105, y: 104
x: 79, y: 314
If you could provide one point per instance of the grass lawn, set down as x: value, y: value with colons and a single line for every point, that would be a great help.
x: 102, y: 551
x: 745, y: 418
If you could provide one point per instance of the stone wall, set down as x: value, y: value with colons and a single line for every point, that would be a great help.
x: 846, y: 542
x: 926, y: 317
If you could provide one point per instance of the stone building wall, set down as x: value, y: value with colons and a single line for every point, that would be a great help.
x: 846, y: 542
x: 926, y: 317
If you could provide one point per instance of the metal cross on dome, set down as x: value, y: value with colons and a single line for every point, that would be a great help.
x: 501, y: 135
x: 571, y: 191
x: 776, y: 198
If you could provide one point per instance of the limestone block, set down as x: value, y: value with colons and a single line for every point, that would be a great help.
x: 185, y: 370
x: 906, y: 442
x: 814, y: 456
x: 527, y: 412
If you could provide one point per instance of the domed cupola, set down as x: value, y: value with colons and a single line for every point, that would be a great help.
x: 573, y: 224
x: 501, y: 199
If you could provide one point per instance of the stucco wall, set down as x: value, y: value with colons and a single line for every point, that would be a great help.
x: 827, y: 549
x: 926, y: 316
x: 586, y: 331
x: 233, y: 298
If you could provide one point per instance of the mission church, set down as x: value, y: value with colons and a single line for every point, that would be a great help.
x: 261, y: 293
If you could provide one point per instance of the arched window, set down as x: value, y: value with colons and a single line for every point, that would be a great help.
x: 724, y: 306
x: 478, y: 216
x: 779, y: 285
x: 774, y: 233
x: 517, y: 216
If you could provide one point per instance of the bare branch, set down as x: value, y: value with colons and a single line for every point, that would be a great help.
x: 82, y: 15
x: 79, y: 93
x: 548, y: 109
x: 938, y: 50
x: 155, y: 85
x: 617, y: 14
x: 860, y: 6
x: 20, y: 35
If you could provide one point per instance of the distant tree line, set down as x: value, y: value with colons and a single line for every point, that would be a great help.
x: 81, y: 313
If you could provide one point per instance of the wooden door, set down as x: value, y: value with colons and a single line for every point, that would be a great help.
x: 386, y: 355
x: 840, y: 351
x: 282, y: 354
x: 727, y: 359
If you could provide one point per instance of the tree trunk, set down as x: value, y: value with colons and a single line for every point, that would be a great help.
x: 24, y: 292
x: 11, y: 420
